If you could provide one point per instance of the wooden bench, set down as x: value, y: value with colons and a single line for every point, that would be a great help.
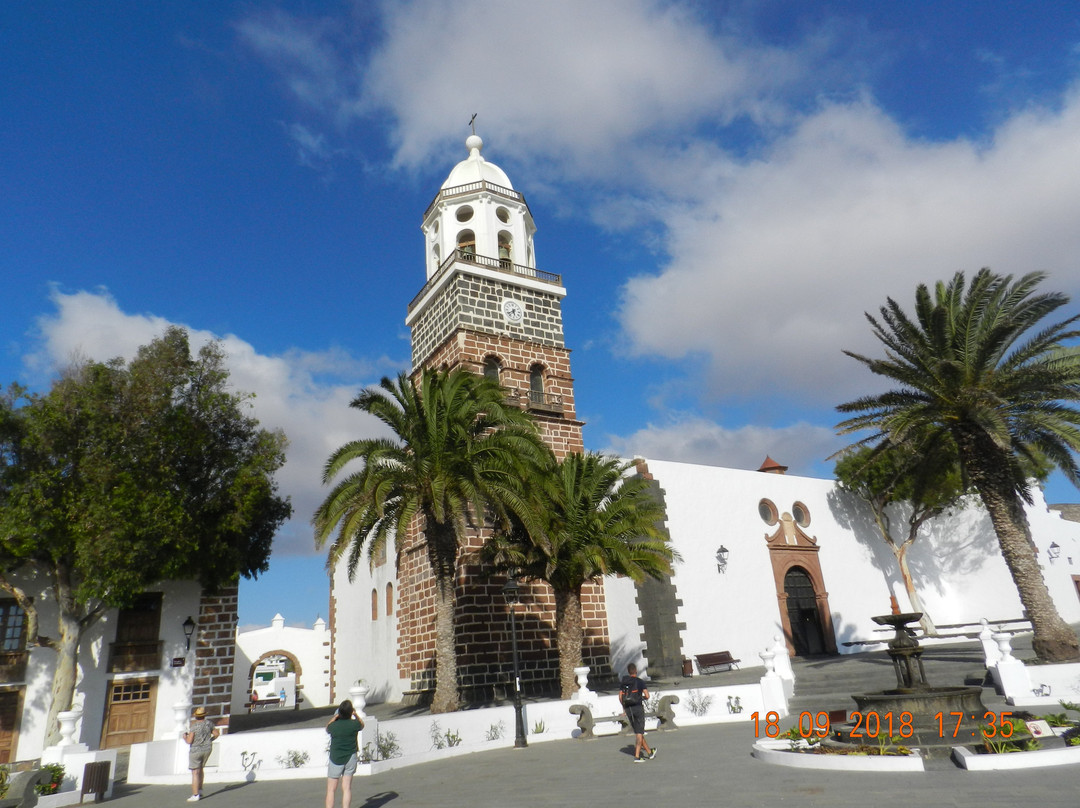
x: 21, y: 791
x: 716, y: 662
x: 664, y: 715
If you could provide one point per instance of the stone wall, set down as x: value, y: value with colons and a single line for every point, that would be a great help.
x: 215, y: 651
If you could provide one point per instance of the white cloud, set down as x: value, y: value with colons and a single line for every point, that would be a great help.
x: 773, y: 249
x: 292, y: 391
x: 689, y: 439
x: 770, y: 272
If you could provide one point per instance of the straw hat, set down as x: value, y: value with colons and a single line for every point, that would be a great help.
x: 200, y: 712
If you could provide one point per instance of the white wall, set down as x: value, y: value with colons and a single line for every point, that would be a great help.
x: 367, y: 649
x: 956, y: 562
x: 309, y: 646
x: 179, y: 600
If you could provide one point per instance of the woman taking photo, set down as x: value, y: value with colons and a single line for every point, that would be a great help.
x: 343, y: 728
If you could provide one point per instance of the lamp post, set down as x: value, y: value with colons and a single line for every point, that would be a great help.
x: 511, y: 590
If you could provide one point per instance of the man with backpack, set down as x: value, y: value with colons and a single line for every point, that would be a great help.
x: 632, y: 695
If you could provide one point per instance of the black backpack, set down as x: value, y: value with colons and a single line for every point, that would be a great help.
x: 630, y: 691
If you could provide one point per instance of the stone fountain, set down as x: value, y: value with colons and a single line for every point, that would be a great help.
x: 913, y: 694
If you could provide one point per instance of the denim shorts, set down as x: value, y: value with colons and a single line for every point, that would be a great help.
x: 335, y: 770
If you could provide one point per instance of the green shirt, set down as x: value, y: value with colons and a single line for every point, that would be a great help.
x: 343, y: 739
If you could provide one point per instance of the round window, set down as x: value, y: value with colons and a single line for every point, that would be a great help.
x: 768, y: 512
x: 464, y: 213
x: 801, y: 514
x: 503, y: 214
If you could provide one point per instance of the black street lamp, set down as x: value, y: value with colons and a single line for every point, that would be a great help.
x: 510, y: 591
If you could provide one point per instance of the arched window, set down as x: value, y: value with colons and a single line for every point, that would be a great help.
x: 374, y: 604
x: 389, y: 599
x: 506, y: 246
x: 492, y: 368
x: 466, y: 242
x: 536, y: 384
x: 436, y: 255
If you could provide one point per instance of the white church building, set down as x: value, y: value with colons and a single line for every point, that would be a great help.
x: 763, y: 553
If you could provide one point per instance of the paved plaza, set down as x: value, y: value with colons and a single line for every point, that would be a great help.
x: 696, y: 766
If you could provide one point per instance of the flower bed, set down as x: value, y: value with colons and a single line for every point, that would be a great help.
x: 781, y: 753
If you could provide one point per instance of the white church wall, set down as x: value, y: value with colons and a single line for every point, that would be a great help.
x: 624, y: 628
x: 310, y: 647
x: 956, y: 563
x: 365, y: 648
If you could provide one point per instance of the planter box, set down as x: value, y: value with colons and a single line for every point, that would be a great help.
x: 779, y: 753
x: 975, y: 762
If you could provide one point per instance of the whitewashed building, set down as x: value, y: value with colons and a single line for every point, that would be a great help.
x: 172, y: 646
x: 802, y: 558
x: 306, y: 652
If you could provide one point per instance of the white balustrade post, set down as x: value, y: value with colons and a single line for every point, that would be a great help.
x: 181, y: 712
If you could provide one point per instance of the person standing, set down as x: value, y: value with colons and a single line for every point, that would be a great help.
x: 201, y: 738
x: 343, y: 728
x: 633, y: 694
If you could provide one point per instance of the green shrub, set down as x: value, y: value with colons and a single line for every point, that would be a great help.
x: 56, y: 777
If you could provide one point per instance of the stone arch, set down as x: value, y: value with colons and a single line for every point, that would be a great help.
x: 493, y: 366
x: 290, y: 657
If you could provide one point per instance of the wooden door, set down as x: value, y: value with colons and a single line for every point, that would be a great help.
x: 9, y: 723
x: 129, y: 712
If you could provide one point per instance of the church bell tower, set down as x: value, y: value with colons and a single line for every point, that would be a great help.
x: 486, y: 306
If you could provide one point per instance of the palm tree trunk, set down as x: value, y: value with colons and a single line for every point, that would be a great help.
x: 1054, y: 640
x: 569, y: 634
x: 442, y: 553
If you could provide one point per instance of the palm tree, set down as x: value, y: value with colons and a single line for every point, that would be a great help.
x: 586, y: 519
x: 457, y: 453
x: 973, y: 370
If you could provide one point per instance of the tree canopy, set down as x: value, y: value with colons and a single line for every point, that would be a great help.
x: 979, y: 368
x: 458, y: 452
x: 125, y: 475
x: 586, y: 517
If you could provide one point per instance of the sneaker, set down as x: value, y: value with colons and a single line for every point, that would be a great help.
x: 652, y: 754
x: 193, y: 798
x: 639, y: 760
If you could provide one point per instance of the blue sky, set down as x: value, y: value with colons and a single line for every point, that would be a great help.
x: 725, y: 188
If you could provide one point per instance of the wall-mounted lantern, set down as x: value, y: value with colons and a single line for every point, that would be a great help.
x: 189, y: 629
x: 1053, y: 552
x: 721, y: 559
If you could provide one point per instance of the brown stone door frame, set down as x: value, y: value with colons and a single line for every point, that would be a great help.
x: 784, y: 557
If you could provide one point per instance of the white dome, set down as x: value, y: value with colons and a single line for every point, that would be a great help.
x: 475, y: 168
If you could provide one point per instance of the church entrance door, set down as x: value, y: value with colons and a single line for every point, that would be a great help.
x: 807, y: 634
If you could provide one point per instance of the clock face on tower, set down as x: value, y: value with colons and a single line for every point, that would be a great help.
x: 512, y: 311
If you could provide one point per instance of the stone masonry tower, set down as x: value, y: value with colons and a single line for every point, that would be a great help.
x: 487, y: 307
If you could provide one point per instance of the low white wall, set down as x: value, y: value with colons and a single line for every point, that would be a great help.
x: 255, y: 755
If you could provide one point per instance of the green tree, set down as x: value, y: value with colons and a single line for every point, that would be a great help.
x: 911, y: 484
x: 456, y: 456
x: 124, y: 476
x: 585, y: 518
x: 979, y: 368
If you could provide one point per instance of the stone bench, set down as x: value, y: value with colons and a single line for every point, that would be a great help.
x: 664, y: 715
x: 21, y: 792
